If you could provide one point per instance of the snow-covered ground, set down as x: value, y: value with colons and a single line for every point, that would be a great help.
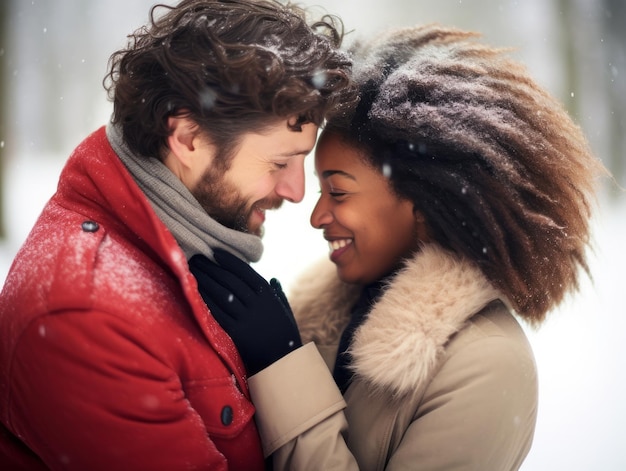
x: 580, y: 351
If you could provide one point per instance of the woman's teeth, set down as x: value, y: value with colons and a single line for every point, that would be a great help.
x: 338, y: 244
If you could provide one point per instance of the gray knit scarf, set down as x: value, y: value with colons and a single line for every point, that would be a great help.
x: 194, y: 230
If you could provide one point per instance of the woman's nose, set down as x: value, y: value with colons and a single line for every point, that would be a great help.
x: 321, y: 215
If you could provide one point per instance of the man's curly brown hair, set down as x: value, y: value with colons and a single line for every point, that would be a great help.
x: 501, y: 172
x: 232, y: 66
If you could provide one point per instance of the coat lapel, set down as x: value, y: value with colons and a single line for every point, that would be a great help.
x: 399, y: 344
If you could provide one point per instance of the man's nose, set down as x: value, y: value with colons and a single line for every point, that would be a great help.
x: 291, y: 183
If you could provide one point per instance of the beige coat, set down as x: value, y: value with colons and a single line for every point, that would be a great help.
x: 444, y: 375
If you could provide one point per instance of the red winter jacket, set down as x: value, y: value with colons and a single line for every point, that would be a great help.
x: 109, y: 359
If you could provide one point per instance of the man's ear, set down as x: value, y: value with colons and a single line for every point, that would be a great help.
x: 182, y: 139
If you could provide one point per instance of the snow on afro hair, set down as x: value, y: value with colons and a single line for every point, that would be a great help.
x: 501, y: 172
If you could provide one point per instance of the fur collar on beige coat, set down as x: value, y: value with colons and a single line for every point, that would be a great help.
x: 398, y: 345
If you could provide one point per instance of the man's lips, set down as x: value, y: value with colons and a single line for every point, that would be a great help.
x: 266, y: 205
x: 260, y: 212
x: 256, y: 217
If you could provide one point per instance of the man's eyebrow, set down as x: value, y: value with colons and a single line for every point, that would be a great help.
x: 328, y: 173
x: 295, y: 152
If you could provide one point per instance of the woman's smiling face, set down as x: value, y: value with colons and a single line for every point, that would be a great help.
x: 370, y: 230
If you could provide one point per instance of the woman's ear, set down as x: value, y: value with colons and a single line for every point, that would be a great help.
x: 421, y: 226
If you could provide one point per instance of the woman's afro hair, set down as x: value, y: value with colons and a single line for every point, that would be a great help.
x: 501, y: 172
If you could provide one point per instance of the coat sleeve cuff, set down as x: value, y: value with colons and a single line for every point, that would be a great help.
x: 292, y: 395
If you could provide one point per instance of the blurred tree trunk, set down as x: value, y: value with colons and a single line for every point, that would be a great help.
x: 570, y: 77
x: 3, y: 111
x: 615, y: 19
x: 593, y: 38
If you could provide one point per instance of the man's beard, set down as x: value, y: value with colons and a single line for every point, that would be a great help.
x: 221, y: 200
x: 224, y: 203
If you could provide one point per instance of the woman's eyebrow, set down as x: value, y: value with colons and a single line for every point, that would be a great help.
x: 328, y: 173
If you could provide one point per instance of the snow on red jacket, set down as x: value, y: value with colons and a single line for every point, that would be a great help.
x: 109, y: 359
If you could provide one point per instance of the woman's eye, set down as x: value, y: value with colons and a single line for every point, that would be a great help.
x: 279, y: 165
x: 336, y: 194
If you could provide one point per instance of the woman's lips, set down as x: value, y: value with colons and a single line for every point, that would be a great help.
x: 338, y: 247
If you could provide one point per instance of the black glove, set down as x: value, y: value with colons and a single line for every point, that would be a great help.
x: 252, y: 311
